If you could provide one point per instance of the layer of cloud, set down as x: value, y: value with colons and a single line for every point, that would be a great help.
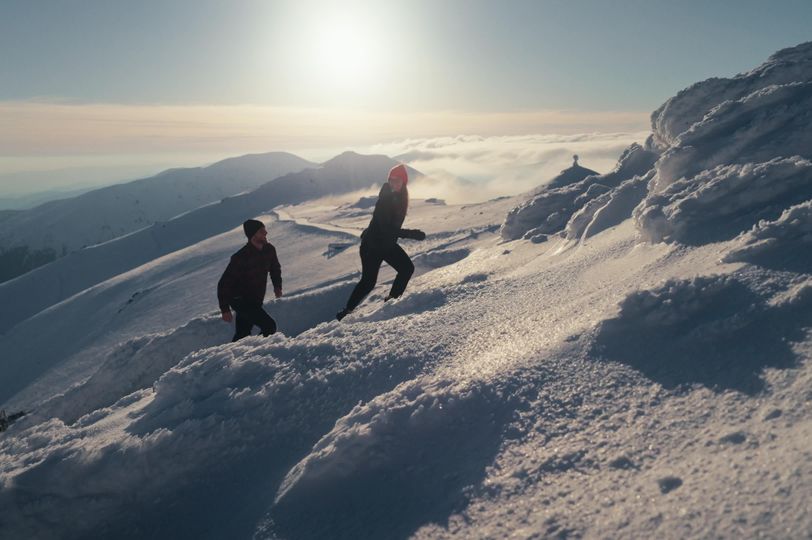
x: 474, y: 168
x: 58, y: 129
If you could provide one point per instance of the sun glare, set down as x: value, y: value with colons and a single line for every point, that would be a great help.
x: 344, y: 54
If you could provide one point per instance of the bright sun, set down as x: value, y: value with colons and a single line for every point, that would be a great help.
x: 344, y: 54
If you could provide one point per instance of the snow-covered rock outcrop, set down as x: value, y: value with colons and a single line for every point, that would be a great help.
x: 690, y: 105
x: 552, y: 207
x: 735, y: 151
x: 724, y: 154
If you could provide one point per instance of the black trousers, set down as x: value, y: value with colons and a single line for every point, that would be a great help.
x: 250, y: 314
x: 371, y: 259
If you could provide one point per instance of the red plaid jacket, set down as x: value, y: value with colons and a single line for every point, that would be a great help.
x: 246, y: 275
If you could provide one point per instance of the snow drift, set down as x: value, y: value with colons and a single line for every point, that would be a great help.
x: 782, y: 244
x: 712, y: 327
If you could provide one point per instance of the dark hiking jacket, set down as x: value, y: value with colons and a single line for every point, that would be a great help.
x: 384, y: 227
x: 246, y: 275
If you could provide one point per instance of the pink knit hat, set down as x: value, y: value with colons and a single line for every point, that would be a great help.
x: 399, y: 171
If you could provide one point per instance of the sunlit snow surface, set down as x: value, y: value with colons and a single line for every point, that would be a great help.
x: 540, y: 378
x: 489, y: 399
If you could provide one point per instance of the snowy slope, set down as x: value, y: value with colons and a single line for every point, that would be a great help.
x: 69, y: 275
x: 488, y: 387
x: 66, y: 340
x: 103, y: 214
x: 599, y: 383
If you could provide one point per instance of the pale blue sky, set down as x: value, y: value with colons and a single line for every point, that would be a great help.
x: 472, y: 54
x: 87, y: 80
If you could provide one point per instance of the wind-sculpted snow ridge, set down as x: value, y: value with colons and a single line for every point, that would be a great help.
x: 724, y: 154
x: 769, y: 123
x: 689, y: 106
x: 735, y: 151
x: 228, y: 409
x: 722, y: 202
x: 375, y: 460
x: 550, y: 210
x: 714, y: 328
x: 139, y: 362
x: 783, y: 244
x: 134, y: 365
x: 546, y: 212
x: 608, y: 209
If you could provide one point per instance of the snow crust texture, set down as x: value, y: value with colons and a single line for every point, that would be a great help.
x: 723, y: 202
x: 712, y: 325
x: 782, y: 244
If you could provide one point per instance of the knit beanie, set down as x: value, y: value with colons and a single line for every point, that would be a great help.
x: 251, y: 227
x: 399, y: 171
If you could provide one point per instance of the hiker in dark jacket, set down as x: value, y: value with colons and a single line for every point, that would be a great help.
x: 379, y: 242
x: 242, y: 285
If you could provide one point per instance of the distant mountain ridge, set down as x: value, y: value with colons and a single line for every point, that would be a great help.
x: 32, y: 200
x: 36, y: 236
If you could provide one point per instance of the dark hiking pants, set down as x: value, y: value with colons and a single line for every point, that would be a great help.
x: 250, y: 314
x: 371, y: 260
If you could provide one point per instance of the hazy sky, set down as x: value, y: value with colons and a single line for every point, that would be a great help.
x: 110, y: 82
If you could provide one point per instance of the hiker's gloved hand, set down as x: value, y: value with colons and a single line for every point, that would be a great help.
x: 414, y: 234
x: 227, y: 316
x: 277, y: 291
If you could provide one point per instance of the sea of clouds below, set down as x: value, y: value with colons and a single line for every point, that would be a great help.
x: 466, y: 169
